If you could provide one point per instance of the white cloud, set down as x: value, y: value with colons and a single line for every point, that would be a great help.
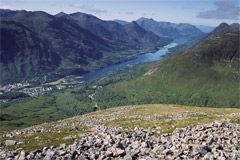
x: 226, y: 9
x: 91, y: 9
x: 8, y: 7
x: 12, y: 8
x: 78, y: 5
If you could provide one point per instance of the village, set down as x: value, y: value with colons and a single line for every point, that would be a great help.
x: 37, y: 90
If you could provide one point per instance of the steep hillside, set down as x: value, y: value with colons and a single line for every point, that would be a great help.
x: 206, y: 76
x: 112, y: 32
x: 190, y: 45
x: 132, y: 132
x: 65, y: 36
x: 7, y: 13
x: 23, y: 53
x: 172, y: 30
x: 20, y: 113
x: 77, y: 48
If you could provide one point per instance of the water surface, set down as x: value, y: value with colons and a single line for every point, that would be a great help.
x: 147, y: 57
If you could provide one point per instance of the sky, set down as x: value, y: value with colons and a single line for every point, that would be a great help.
x: 197, y: 12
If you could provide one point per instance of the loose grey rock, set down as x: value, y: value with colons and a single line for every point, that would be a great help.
x: 215, y: 140
x: 10, y: 142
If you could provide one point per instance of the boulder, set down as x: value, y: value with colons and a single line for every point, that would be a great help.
x: 10, y: 142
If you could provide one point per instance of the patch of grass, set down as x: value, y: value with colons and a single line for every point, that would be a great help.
x: 34, y: 88
x: 35, y: 141
x: 125, y: 120
x: 170, y: 125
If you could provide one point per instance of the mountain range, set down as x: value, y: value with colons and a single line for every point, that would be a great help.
x: 37, y: 44
x: 166, y: 29
x: 121, y: 21
x: 193, y: 44
x: 41, y: 44
x: 205, y: 29
x: 205, y: 76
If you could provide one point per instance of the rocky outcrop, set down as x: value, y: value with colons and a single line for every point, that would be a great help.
x: 216, y: 140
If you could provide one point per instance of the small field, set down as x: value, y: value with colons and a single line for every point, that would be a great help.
x: 66, y: 80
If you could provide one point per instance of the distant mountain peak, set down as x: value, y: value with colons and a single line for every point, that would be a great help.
x: 134, y: 23
x: 194, y: 44
x: 7, y: 13
x: 60, y: 14
x: 122, y: 22
x: 224, y: 27
x: 84, y: 16
x: 77, y: 38
x: 171, y: 30
x: 223, y: 24
x: 81, y: 14
x: 144, y: 18
x: 235, y: 26
x: 9, y: 10
x: 205, y: 29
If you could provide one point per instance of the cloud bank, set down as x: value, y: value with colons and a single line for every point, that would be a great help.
x: 226, y: 9
x: 89, y: 8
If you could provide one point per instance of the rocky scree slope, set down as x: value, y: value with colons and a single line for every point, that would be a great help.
x: 136, y: 132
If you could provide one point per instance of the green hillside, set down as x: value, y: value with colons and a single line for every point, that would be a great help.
x: 37, y: 44
x: 20, y: 113
x: 206, y: 76
x: 195, y: 43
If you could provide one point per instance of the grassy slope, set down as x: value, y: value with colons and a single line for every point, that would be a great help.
x: 184, y: 79
x: 200, y: 77
x: 62, y: 104
x: 178, y: 80
x: 45, y: 108
x: 127, y: 118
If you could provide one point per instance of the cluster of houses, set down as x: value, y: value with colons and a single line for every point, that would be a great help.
x: 10, y: 87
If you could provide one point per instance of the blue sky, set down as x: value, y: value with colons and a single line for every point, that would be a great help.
x: 200, y: 12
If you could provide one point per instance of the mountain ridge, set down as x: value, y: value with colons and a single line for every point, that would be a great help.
x: 207, y: 76
x: 204, y: 28
x: 191, y: 45
x: 120, y: 21
x: 203, y: 76
x: 172, y: 30
x: 80, y: 49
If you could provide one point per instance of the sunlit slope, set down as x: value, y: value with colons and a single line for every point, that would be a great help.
x: 206, y: 76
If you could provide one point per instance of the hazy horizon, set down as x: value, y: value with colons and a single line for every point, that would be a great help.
x: 197, y: 12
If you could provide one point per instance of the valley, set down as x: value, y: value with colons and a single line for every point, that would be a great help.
x: 73, y: 81
x: 59, y: 45
x: 78, y: 86
x: 188, y: 78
